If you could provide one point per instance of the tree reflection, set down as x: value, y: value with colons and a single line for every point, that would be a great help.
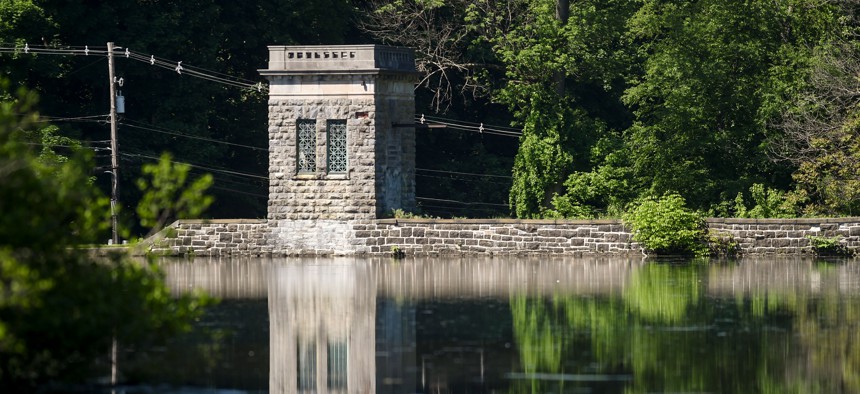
x: 668, y: 330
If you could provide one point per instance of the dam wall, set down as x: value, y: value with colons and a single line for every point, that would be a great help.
x: 434, y: 237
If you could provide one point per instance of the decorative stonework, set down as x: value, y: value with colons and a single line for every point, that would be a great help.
x: 337, y: 153
x: 340, y: 58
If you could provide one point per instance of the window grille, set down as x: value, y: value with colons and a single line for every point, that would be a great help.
x: 307, y: 366
x: 337, y: 162
x: 306, y: 147
x: 337, y: 366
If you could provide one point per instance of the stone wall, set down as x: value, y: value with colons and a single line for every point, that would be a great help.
x: 786, y: 236
x: 314, y: 238
x: 321, y: 195
x: 476, y: 236
x: 211, y: 238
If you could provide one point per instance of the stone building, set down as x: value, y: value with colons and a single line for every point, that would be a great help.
x: 341, y: 140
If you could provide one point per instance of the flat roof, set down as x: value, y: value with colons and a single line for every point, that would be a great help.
x: 338, y: 59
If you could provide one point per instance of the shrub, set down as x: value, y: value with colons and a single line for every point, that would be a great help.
x: 61, y: 306
x: 769, y: 203
x: 722, y: 244
x: 828, y: 246
x: 666, y: 226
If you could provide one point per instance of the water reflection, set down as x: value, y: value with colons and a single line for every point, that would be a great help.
x: 321, y: 328
x: 532, y: 325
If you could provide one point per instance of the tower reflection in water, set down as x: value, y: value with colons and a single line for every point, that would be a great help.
x: 324, y: 335
x: 522, y: 325
x: 349, y: 325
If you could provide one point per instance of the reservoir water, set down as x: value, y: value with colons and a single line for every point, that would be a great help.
x: 510, y: 325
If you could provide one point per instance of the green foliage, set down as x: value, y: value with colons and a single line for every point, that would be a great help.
x: 539, y: 334
x: 667, y: 333
x: 169, y: 194
x: 666, y: 226
x: 537, y: 169
x: 604, y: 191
x: 60, y: 307
x: 828, y: 246
x: 50, y: 139
x: 560, y: 75
x: 401, y: 214
x: 687, y: 91
x: 225, y: 37
x: 712, y: 70
x: 831, y: 175
x: 722, y: 244
x: 702, y: 82
x: 662, y: 293
x: 769, y: 203
x: 397, y: 253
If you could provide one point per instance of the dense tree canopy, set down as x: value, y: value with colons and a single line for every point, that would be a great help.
x: 624, y: 99
x: 616, y: 99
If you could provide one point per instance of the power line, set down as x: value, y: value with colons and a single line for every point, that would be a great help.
x: 131, y: 123
x: 45, y: 50
x: 175, y: 133
x: 233, y: 179
x: 239, y: 182
x: 444, y: 178
x: 55, y: 145
x: 464, y: 173
x: 88, y: 118
x: 178, y: 67
x: 240, y: 192
x: 225, y: 171
x: 460, y: 202
x: 440, y: 208
x: 218, y: 180
x: 196, y: 71
x: 79, y: 69
x: 469, y: 126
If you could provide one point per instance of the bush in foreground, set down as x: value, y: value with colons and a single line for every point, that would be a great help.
x: 60, y: 306
x: 666, y: 226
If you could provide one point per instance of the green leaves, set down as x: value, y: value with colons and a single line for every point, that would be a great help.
x: 712, y: 73
x: 769, y: 203
x: 666, y: 226
x: 560, y: 85
x: 59, y: 305
x: 169, y: 194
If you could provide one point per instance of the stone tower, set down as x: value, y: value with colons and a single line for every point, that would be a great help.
x: 341, y: 135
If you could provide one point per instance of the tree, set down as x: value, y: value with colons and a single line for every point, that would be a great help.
x: 458, y: 71
x: 819, y: 132
x: 446, y: 54
x: 168, y: 194
x: 563, y: 64
x: 714, y: 74
x: 60, y: 307
x: 666, y: 226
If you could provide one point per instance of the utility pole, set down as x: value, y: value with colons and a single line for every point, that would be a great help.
x: 114, y: 161
x: 114, y: 191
